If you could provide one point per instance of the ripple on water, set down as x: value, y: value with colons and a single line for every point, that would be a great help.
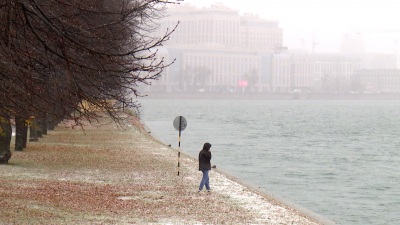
x: 337, y: 158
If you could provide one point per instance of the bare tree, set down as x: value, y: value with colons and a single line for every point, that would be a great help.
x: 252, y: 78
x: 5, y: 137
x: 56, y: 55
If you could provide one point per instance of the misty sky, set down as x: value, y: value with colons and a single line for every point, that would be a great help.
x: 377, y: 21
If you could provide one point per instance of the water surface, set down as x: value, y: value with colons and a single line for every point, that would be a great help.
x: 340, y: 159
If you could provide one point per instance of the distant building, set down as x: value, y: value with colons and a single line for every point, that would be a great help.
x: 372, y: 61
x: 257, y: 33
x: 333, y: 72
x: 303, y: 73
x: 377, y: 81
x: 312, y: 72
x: 281, y: 72
x: 220, y: 27
x: 216, y: 48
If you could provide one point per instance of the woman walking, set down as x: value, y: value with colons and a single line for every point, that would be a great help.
x: 205, y: 166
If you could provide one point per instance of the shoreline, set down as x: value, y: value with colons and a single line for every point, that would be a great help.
x: 124, y: 175
x: 275, y: 96
x: 259, y: 192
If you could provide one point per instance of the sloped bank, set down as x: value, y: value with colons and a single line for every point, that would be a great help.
x: 259, y: 200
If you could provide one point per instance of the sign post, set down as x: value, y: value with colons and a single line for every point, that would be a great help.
x: 180, y: 124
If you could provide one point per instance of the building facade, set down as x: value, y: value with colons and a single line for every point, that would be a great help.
x: 293, y: 72
x: 217, y: 50
x: 379, y: 80
x: 220, y: 27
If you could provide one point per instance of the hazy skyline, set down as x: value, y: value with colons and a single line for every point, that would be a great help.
x: 379, y: 24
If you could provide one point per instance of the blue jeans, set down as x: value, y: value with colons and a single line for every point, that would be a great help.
x: 205, y: 180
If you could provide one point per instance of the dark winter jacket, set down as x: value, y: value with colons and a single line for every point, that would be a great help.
x: 204, y: 160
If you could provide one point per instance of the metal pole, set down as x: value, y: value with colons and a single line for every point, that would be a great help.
x: 179, y: 145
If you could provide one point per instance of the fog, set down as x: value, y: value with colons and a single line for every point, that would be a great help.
x: 329, y: 47
x: 328, y: 20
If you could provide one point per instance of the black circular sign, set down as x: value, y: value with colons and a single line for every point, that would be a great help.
x: 180, y: 123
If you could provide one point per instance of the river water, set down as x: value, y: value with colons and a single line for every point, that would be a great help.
x: 340, y: 159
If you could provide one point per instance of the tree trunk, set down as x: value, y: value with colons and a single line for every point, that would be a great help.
x: 39, y: 128
x: 51, y: 124
x: 25, y: 133
x: 5, y: 139
x: 33, y: 131
x: 43, y: 127
x: 19, y: 133
x: 39, y: 133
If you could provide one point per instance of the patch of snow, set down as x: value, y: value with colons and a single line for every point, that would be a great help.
x: 268, y: 212
x: 125, y: 198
